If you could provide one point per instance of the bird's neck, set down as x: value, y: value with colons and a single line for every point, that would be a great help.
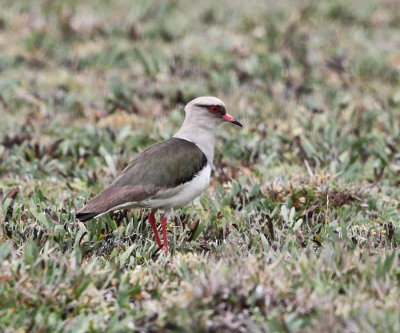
x: 201, y: 135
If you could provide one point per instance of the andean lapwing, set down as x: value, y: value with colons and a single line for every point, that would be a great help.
x: 168, y: 174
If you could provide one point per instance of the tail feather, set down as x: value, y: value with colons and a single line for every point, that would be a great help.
x: 84, y: 217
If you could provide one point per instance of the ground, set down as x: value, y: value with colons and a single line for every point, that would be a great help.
x: 299, y: 230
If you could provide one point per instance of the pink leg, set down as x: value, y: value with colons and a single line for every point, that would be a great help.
x: 164, y: 232
x: 152, y: 221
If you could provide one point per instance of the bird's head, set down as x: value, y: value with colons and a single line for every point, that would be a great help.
x: 208, y: 111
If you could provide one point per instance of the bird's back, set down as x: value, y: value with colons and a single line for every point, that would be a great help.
x: 158, y: 170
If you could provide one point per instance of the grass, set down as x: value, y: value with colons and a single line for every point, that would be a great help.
x: 299, y: 230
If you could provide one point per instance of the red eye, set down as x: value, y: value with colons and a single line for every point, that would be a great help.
x: 214, y: 109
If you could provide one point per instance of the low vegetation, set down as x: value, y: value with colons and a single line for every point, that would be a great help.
x: 300, y: 228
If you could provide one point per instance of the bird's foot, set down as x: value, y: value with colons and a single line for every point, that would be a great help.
x: 164, y: 222
x: 152, y: 220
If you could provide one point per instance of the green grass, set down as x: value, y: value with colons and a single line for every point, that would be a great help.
x: 300, y: 228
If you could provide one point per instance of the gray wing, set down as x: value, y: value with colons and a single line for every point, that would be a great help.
x: 161, y: 166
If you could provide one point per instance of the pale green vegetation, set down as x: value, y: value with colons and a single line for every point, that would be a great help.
x: 300, y: 228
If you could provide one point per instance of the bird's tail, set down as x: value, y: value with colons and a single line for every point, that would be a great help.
x: 99, y: 205
x: 84, y: 217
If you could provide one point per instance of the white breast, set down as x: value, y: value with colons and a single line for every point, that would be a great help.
x: 173, y: 198
x: 183, y: 194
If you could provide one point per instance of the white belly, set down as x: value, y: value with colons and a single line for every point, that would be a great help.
x: 183, y: 194
x: 173, y: 198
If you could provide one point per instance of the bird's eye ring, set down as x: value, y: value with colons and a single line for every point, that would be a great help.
x: 214, y: 109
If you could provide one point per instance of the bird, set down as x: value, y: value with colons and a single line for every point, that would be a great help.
x: 169, y: 174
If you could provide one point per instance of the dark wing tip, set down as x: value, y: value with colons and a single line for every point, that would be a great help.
x: 84, y: 217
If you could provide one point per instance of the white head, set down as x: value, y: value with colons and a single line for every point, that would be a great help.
x: 207, y: 112
x: 203, y: 115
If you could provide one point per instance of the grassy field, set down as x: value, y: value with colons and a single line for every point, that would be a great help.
x: 299, y: 230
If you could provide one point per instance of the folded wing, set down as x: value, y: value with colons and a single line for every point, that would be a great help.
x: 162, y: 166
